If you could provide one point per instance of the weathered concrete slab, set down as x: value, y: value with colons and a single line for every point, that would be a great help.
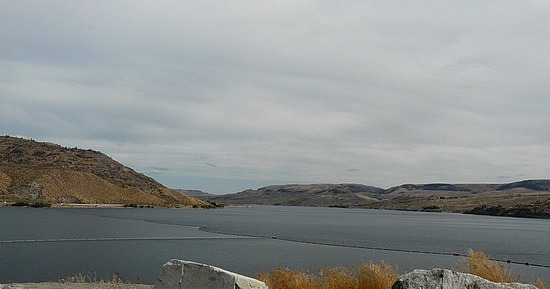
x: 448, y: 279
x: 179, y: 274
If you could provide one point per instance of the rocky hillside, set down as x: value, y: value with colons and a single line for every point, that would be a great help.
x: 537, y: 209
x: 47, y: 172
x: 525, y: 199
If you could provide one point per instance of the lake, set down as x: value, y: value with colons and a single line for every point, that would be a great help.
x: 52, y: 243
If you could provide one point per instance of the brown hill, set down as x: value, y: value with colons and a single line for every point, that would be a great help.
x: 46, y: 172
x: 528, y: 198
x: 466, y: 197
x: 304, y: 195
x: 194, y: 193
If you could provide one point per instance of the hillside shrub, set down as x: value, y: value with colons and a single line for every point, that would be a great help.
x: 34, y: 205
x: 41, y: 205
x: 20, y: 204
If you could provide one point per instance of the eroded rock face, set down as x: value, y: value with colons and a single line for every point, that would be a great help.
x: 31, y: 190
x: 447, y: 279
x: 190, y: 275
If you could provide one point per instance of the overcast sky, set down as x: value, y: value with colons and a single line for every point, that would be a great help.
x: 228, y: 95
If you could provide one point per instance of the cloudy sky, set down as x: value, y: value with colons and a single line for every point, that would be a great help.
x: 227, y: 95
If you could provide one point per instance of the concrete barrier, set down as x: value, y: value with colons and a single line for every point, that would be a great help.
x: 179, y: 274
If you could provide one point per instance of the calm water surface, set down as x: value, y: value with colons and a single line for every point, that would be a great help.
x: 136, y: 242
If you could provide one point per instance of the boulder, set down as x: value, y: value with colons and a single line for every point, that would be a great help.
x: 447, y: 279
x: 190, y: 275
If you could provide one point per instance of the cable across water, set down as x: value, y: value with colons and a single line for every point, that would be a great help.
x: 454, y: 254
x: 234, y: 236
x: 122, y: 239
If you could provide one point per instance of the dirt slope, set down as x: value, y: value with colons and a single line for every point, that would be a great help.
x: 46, y: 172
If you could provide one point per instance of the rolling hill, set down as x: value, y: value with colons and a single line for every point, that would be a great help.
x: 32, y: 171
x: 303, y: 195
x: 530, y: 198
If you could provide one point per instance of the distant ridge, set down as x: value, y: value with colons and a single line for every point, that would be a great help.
x: 194, y: 193
x: 529, y: 198
x: 303, y: 195
x: 46, y: 172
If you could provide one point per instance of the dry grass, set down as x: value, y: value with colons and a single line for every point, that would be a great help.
x: 94, y: 279
x: 66, y: 175
x: 373, y: 276
x: 367, y: 276
x: 540, y: 284
x: 478, y: 264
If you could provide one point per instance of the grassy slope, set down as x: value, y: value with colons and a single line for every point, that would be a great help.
x: 32, y: 170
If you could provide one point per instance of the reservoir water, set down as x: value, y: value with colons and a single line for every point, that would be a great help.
x: 53, y: 243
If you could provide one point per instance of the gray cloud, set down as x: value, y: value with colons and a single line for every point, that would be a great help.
x: 365, y: 92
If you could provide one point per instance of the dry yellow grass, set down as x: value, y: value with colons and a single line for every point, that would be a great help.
x: 367, y: 276
x: 373, y: 276
x: 68, y: 186
x: 376, y: 276
x: 37, y: 171
x: 539, y: 284
x: 284, y: 278
x: 478, y: 264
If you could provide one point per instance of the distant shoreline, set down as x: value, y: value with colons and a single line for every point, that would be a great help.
x: 88, y: 206
x: 70, y: 285
x: 490, y: 211
x: 69, y: 205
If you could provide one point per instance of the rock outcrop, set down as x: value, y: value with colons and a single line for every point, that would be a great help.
x: 190, y: 275
x: 447, y: 279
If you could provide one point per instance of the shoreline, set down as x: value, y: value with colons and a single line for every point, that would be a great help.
x: 84, y: 206
x: 124, y: 206
x: 68, y: 285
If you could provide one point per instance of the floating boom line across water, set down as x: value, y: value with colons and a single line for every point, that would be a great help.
x: 233, y: 236
x: 122, y: 239
x: 453, y: 254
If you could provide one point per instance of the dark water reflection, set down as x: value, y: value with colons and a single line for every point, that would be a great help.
x: 503, y: 238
